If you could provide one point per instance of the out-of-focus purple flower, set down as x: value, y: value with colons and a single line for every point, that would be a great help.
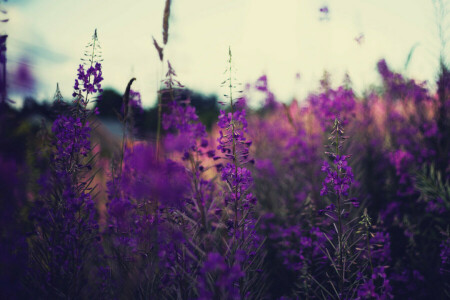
x: 23, y: 80
x: 217, y: 279
x: 436, y: 206
x: 324, y: 13
x: 381, y: 248
x: 402, y: 161
x: 135, y: 101
x: 184, y: 121
x: 144, y: 177
x: 399, y: 87
x: 326, y: 106
x: 261, y: 83
x: 372, y: 289
x: 181, y: 118
x: 266, y: 166
x: 445, y: 255
x: 262, y: 86
x: 324, y: 9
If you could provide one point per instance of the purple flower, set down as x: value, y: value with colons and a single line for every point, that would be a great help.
x: 234, y: 147
x: 324, y: 9
x: 224, y: 277
x: 71, y: 137
x: 339, y: 176
x: 144, y: 177
x: 90, y: 80
x: 445, y: 255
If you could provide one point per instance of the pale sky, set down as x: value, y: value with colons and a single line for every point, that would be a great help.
x: 279, y: 38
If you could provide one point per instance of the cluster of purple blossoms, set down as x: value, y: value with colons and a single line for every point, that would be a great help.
x: 262, y: 86
x: 88, y: 85
x: 298, y: 247
x: 402, y: 162
x: 401, y: 88
x: 217, y: 279
x: 185, y: 134
x: 144, y: 183
x: 369, y: 289
x: 184, y: 130
x: 340, y: 102
x: 380, y: 245
x: 184, y: 121
x: 145, y: 200
x: 340, y: 177
x: 71, y: 137
x: 232, y: 141
x: 121, y: 216
x: 338, y: 180
x: 234, y: 147
x: 65, y: 214
x: 66, y: 228
x: 324, y: 9
x: 143, y: 175
x: 241, y: 177
x: 445, y: 255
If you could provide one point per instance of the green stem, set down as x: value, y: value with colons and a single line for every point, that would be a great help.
x: 368, y: 249
x: 235, y: 162
x: 158, y: 128
x: 340, y: 238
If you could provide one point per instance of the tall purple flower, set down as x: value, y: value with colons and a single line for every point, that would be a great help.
x: 185, y: 130
x: 339, y: 175
x: 89, y: 74
x: 234, y: 148
x: 338, y: 180
x: 359, y: 253
x: 240, y: 222
x: 143, y: 221
x: 64, y: 215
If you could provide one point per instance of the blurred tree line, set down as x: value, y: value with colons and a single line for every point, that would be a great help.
x: 145, y: 121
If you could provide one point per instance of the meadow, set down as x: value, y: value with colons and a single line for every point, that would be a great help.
x: 335, y: 196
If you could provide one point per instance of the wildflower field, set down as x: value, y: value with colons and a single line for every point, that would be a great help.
x: 340, y: 195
